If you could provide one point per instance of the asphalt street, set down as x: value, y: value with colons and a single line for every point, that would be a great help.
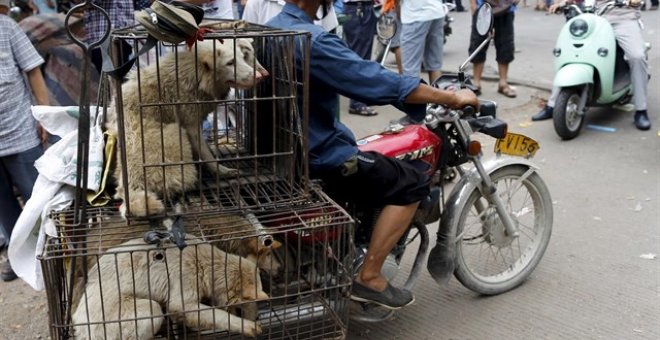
x: 594, y: 281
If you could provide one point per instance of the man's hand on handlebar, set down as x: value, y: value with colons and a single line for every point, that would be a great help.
x: 554, y: 8
x: 465, y: 97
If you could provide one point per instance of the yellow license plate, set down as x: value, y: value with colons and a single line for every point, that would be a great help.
x: 517, y: 145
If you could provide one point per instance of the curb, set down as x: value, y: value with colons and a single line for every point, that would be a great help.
x: 513, y: 81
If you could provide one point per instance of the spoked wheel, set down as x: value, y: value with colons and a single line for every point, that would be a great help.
x: 567, y: 116
x: 489, y: 261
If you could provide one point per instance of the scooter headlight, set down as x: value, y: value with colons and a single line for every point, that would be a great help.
x: 579, y: 28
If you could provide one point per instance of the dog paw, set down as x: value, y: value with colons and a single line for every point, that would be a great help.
x: 141, y: 207
x: 251, y: 328
x: 226, y: 172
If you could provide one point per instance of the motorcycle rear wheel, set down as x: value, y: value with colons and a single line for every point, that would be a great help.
x: 566, y: 115
x: 488, y: 261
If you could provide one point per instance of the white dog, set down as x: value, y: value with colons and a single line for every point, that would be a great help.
x: 133, y: 284
x: 164, y: 105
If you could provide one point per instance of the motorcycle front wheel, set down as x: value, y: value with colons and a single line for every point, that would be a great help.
x: 566, y: 115
x: 488, y: 261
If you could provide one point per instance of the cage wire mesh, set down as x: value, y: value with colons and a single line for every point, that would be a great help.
x: 215, y: 230
x: 275, y: 274
x: 215, y: 127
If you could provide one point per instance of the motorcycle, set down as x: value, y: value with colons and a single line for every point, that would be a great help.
x: 495, y: 224
x: 591, y: 69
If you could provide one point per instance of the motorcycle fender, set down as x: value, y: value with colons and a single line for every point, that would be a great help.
x: 573, y: 75
x: 441, y: 260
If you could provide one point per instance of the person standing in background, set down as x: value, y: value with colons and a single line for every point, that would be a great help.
x: 504, y: 44
x: 359, y: 33
x: 422, y: 36
x: 21, y: 137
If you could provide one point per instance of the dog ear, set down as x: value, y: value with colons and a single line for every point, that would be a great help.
x: 246, y: 42
x: 266, y: 250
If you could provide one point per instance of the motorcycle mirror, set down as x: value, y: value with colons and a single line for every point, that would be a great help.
x: 484, y: 19
x: 484, y: 24
x: 386, y: 27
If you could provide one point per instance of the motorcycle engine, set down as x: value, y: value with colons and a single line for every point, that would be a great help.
x: 390, y: 266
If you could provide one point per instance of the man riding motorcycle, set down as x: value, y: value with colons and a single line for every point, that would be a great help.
x: 625, y: 22
x: 350, y: 175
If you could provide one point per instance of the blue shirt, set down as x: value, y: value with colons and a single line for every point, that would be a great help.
x: 336, y: 69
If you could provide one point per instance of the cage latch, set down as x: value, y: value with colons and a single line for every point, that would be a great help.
x: 176, y: 233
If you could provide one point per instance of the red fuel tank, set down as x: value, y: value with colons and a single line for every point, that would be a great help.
x: 415, y: 142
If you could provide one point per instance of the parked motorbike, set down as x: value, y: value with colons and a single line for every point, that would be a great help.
x: 494, y: 225
x: 591, y: 69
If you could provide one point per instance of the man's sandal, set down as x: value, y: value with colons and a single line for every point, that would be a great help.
x: 508, y: 91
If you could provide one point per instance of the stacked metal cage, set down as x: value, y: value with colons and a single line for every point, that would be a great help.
x: 256, y: 252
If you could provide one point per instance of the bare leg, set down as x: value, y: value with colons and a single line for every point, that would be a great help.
x: 392, y: 223
x: 478, y: 70
x: 503, y: 70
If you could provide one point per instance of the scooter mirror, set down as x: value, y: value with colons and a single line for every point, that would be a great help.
x: 386, y: 27
x: 484, y: 19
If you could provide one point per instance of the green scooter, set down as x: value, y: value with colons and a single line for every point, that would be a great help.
x: 590, y: 66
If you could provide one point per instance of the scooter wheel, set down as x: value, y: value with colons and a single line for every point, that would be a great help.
x: 567, y: 116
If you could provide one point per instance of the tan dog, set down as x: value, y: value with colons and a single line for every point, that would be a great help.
x: 170, y: 135
x: 231, y: 233
x: 235, y: 234
x: 131, y: 285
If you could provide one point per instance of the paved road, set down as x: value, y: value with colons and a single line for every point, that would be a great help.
x: 592, y: 283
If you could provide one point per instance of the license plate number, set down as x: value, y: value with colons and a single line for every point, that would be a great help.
x: 517, y: 145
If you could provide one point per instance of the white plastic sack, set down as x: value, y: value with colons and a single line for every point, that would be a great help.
x: 29, y: 234
x: 54, y: 189
x: 60, y: 161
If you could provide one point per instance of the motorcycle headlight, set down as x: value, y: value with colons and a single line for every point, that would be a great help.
x: 578, y: 28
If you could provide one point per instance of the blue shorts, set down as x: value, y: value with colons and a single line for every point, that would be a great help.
x: 421, y: 46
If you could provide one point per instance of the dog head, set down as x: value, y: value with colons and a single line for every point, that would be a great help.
x: 230, y: 63
x: 263, y: 255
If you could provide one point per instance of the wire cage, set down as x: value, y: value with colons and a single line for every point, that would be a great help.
x: 213, y: 126
x: 215, y: 230
x: 275, y: 274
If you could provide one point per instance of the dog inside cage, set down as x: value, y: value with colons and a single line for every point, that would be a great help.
x: 277, y: 274
x: 186, y: 119
x: 215, y: 230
